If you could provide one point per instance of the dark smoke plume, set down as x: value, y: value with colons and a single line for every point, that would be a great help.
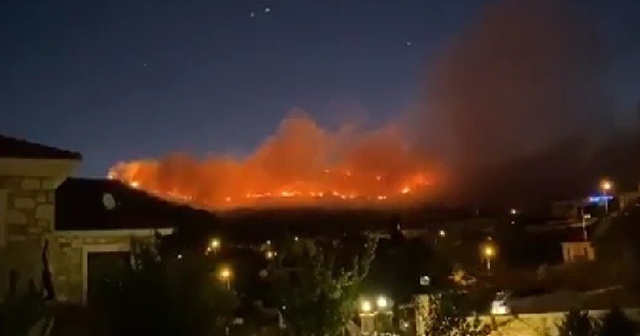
x: 515, y: 103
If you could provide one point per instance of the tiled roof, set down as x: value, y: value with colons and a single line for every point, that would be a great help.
x: 22, y: 149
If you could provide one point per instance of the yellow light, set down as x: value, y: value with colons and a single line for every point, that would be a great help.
x: 382, y: 302
x: 270, y: 254
x: 225, y: 273
x: 606, y: 185
x: 442, y: 233
x: 365, y: 306
x: 489, y: 251
x: 215, y: 243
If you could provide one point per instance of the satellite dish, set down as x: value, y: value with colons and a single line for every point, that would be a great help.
x: 108, y: 201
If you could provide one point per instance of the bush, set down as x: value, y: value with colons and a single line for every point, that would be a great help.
x: 577, y: 323
x: 168, y: 296
x: 616, y: 323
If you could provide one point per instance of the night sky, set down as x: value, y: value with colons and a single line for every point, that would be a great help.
x: 121, y: 80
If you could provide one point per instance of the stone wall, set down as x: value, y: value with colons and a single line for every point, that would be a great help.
x: 28, y: 220
x: 67, y: 258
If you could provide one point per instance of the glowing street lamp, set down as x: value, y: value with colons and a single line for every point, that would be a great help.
x: 366, y: 307
x: 488, y: 252
x: 270, y: 255
x: 606, y: 186
x: 382, y: 302
x: 225, y: 274
x: 513, y: 211
x: 214, y: 245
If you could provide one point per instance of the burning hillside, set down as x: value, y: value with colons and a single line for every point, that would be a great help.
x: 302, y: 164
x: 513, y: 108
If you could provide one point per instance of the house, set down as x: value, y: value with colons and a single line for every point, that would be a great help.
x: 58, y: 233
x: 29, y: 175
x: 97, y: 225
x: 542, y: 313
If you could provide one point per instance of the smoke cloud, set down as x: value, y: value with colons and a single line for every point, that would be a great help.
x: 513, y: 103
x: 514, y: 114
x: 301, y: 162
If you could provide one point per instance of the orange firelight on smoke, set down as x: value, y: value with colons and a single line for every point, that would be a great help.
x: 301, y: 164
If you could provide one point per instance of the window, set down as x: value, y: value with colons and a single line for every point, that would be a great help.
x: 3, y: 217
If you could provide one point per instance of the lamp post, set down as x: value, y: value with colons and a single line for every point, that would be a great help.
x: 606, y: 186
x: 214, y: 245
x: 225, y: 274
x: 488, y: 251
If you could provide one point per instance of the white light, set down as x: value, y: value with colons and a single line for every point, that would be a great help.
x: 179, y: 256
x: 442, y: 233
x: 382, y: 302
x: 514, y: 211
x: 365, y: 306
x: 295, y: 238
x: 499, y: 308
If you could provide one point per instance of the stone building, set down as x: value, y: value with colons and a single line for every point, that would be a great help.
x: 61, y: 238
x: 98, y: 223
x: 29, y: 175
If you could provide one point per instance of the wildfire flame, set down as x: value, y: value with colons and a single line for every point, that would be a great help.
x: 301, y: 164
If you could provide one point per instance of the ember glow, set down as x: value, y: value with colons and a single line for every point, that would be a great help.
x: 302, y: 164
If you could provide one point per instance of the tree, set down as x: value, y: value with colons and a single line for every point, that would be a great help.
x: 168, y: 296
x: 445, y: 314
x: 577, y: 323
x: 616, y: 323
x: 316, y: 283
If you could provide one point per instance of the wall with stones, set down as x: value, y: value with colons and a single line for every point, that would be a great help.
x: 67, y: 252
x: 28, y: 220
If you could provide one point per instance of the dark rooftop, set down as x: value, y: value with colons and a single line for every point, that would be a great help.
x: 22, y: 149
x: 100, y: 204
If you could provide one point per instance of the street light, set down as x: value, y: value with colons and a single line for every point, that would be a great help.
x: 513, y: 211
x: 488, y: 252
x: 606, y: 186
x: 382, y: 302
x: 442, y: 233
x: 366, y: 306
x: 225, y: 275
x: 214, y: 245
x: 270, y: 255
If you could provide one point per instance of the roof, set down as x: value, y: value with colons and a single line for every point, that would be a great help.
x: 100, y: 204
x: 22, y: 149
